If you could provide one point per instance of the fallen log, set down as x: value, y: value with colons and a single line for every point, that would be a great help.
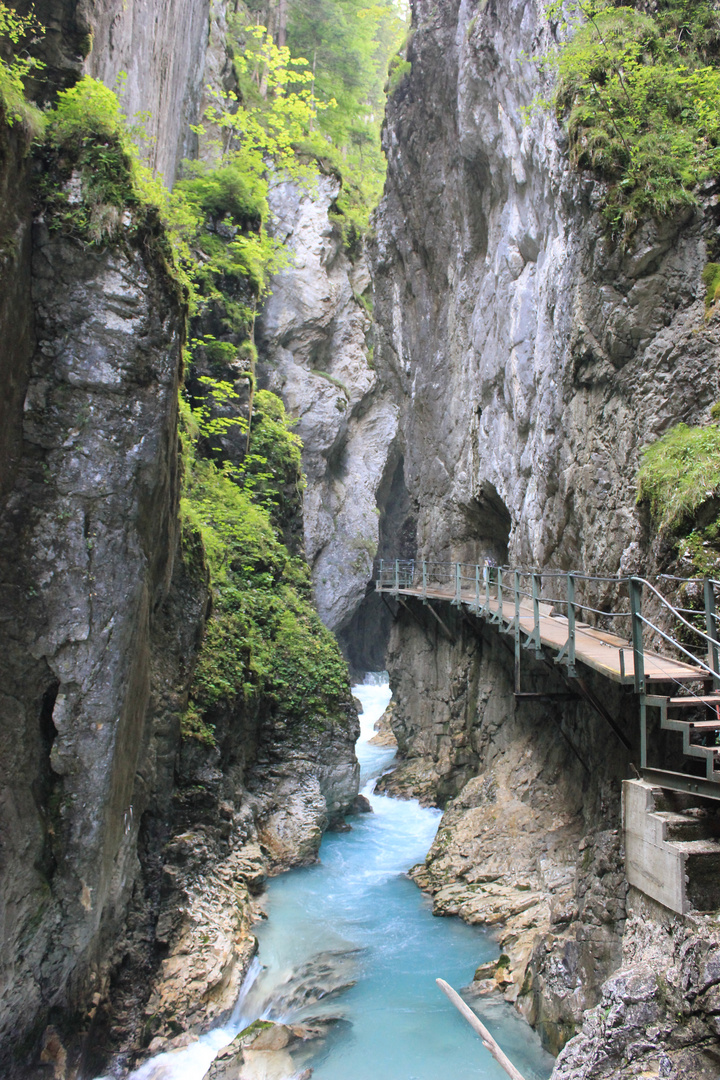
x: 477, y: 1025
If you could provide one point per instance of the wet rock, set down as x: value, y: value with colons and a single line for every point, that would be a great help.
x: 361, y: 805
x: 385, y: 735
x: 320, y: 978
x: 91, y: 576
x: 259, y: 1051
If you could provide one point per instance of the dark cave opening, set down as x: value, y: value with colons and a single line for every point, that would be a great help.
x: 364, y: 637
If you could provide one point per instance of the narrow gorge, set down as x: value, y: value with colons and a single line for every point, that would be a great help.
x: 309, y: 308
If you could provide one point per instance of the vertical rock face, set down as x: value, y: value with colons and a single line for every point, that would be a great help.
x: 121, y: 845
x: 153, y: 54
x: 531, y: 355
x: 161, y: 48
x: 16, y: 317
x: 314, y: 337
x: 531, y: 358
x: 658, y: 1015
x: 89, y: 538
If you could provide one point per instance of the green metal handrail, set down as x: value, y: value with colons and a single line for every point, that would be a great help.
x: 465, y: 583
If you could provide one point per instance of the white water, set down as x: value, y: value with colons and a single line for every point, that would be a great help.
x: 358, y: 910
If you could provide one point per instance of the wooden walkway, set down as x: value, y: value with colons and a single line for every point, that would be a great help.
x: 605, y: 652
x: 545, y: 623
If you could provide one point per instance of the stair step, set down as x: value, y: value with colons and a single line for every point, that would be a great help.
x: 698, y: 847
x: 682, y: 826
x: 686, y: 702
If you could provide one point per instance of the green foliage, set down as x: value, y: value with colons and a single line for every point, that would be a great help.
x: 274, y: 468
x: 348, y: 44
x: 93, y: 167
x: 711, y: 281
x: 86, y: 111
x: 679, y: 472
x: 264, y: 639
x: 701, y: 548
x: 398, y: 69
x: 639, y: 94
x: 14, y: 70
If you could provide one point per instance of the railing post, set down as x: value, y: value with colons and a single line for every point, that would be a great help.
x: 457, y: 584
x: 424, y: 565
x: 536, y: 610
x: 381, y: 571
x: 477, y: 588
x: 635, y: 590
x: 711, y: 627
x: 500, y: 594
x: 486, y: 575
x: 397, y: 576
x: 571, y: 620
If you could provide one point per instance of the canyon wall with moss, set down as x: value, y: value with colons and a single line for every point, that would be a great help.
x: 531, y: 355
x: 132, y: 849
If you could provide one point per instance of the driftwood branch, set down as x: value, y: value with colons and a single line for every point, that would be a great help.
x: 487, y: 1039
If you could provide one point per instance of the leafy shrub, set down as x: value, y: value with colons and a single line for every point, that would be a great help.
x: 232, y: 191
x: 93, y: 168
x: 711, y: 281
x: 264, y: 638
x: 87, y: 111
x: 14, y: 70
x: 639, y: 94
x: 397, y: 71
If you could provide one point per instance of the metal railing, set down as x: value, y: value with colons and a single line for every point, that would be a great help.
x: 490, y: 590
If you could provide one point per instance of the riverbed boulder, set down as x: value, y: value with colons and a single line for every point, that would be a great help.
x: 259, y: 1052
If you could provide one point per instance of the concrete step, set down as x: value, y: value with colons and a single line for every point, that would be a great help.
x: 695, y: 702
x: 679, y: 826
x: 672, y: 854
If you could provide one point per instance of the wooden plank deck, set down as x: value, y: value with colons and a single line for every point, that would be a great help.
x: 598, y: 649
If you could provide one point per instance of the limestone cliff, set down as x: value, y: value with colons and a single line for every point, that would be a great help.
x: 316, y: 352
x: 153, y: 54
x: 531, y: 357
x: 121, y: 842
x: 90, y: 539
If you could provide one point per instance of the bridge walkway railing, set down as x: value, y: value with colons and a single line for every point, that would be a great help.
x: 557, y: 611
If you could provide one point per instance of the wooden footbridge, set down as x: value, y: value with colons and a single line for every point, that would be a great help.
x: 674, y: 671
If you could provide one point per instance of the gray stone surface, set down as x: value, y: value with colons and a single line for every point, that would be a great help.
x: 658, y: 1015
x: 527, y: 351
x: 314, y: 338
x: 159, y: 45
x: 531, y: 357
x: 89, y: 535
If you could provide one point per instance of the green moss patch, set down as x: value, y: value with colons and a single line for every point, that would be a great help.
x: 679, y: 472
x: 638, y: 91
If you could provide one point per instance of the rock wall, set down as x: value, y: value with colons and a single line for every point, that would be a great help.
x: 152, y: 54
x: 89, y: 539
x: 314, y: 335
x: 658, y: 1015
x: 121, y: 846
x: 531, y: 357
x: 16, y: 316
